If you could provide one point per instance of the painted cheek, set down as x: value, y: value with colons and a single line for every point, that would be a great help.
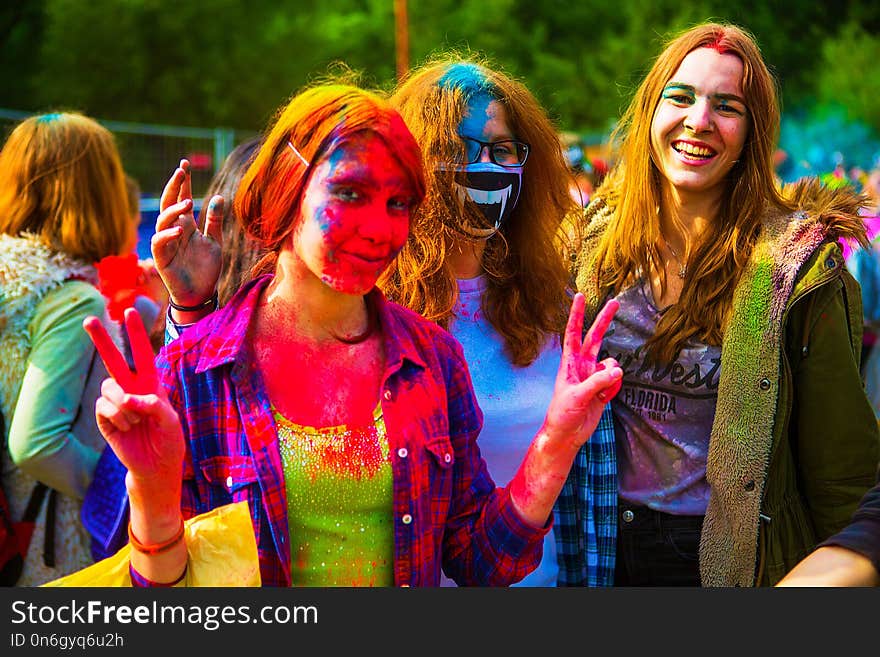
x: 400, y: 234
x: 331, y: 224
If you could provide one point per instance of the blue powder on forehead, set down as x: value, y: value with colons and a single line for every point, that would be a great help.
x: 469, y: 78
x: 48, y: 118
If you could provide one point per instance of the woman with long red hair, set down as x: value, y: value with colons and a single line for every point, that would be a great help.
x: 485, y: 260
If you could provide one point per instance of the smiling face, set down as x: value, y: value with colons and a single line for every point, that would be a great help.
x: 701, y: 123
x: 354, y: 215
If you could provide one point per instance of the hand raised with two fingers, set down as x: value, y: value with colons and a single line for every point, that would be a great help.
x: 133, y: 412
x: 584, y: 385
x: 188, y: 259
x: 582, y: 389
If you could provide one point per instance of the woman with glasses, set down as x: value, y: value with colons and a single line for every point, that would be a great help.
x: 482, y: 258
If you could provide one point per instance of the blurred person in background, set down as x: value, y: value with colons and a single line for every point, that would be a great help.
x: 864, y: 264
x: 240, y: 251
x: 63, y: 208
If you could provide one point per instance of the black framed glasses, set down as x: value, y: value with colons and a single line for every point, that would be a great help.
x: 506, y: 153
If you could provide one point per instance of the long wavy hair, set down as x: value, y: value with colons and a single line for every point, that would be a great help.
x: 630, y: 245
x: 61, y: 179
x: 525, y: 299
x: 316, y: 121
x: 240, y: 251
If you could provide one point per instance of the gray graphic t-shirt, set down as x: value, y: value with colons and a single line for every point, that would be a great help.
x: 663, y: 413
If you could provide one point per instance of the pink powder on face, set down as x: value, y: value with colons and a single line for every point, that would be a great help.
x: 356, y: 215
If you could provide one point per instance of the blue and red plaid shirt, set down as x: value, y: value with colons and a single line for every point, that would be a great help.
x: 447, y: 510
x: 585, y: 513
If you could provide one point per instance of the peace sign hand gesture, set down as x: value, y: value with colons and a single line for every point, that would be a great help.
x: 583, y: 387
x: 133, y: 412
x: 583, y: 384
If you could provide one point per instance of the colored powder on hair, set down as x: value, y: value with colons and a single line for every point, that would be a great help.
x: 470, y: 78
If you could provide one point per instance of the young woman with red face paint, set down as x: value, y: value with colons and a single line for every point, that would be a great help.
x: 483, y: 261
x: 744, y: 436
x: 348, y: 423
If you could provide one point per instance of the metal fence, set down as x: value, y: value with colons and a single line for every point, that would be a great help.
x: 150, y: 152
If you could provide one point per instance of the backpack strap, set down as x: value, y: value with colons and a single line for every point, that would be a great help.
x: 35, y: 502
x: 32, y: 510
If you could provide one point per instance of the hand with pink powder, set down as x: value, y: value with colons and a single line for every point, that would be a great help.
x: 583, y: 387
x: 142, y: 428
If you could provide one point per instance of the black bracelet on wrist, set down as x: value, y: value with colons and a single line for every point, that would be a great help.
x: 213, y: 302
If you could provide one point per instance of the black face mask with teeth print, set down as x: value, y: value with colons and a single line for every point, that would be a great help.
x: 495, y: 191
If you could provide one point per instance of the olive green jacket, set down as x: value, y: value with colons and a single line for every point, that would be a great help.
x: 795, y: 443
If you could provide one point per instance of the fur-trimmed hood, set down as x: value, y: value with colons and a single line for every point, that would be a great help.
x: 794, y: 253
x: 835, y: 208
x: 820, y: 214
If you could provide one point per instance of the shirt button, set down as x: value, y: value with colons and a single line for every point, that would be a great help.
x: 402, y: 453
x: 406, y: 519
x: 387, y: 395
x: 229, y: 481
x: 404, y: 586
x: 764, y: 384
x: 749, y: 486
x: 628, y: 516
x: 447, y: 457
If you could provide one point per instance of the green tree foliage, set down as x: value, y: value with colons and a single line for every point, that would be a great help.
x: 849, y: 74
x: 21, y: 27
x: 231, y: 63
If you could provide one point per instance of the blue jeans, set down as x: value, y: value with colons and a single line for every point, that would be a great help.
x: 655, y: 548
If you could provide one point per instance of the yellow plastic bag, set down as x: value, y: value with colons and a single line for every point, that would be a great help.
x: 221, y: 551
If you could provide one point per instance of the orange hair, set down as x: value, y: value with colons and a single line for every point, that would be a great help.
x: 526, y: 276
x: 633, y: 189
x: 315, y: 121
x: 61, y: 178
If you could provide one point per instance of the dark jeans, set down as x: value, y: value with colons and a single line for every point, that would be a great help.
x: 656, y: 549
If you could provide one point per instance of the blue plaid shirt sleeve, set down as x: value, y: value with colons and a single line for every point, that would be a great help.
x: 585, y: 515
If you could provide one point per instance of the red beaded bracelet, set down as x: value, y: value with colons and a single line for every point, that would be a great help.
x: 157, y: 548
